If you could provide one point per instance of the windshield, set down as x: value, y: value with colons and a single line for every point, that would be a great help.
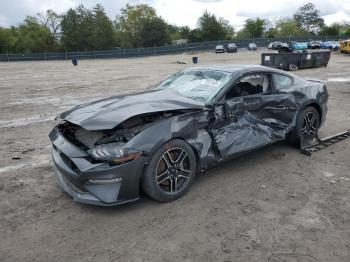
x: 200, y: 85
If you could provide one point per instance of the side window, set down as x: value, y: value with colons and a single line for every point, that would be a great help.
x: 250, y: 85
x: 282, y: 81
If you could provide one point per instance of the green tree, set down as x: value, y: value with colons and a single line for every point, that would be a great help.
x: 214, y: 29
x: 134, y: 21
x: 77, y: 29
x: 342, y: 29
x: 271, y: 32
x: 288, y: 27
x: 84, y: 29
x: 254, y: 28
x: 184, y: 32
x: 174, y: 32
x: 195, y: 35
x: 52, y: 21
x: 178, y: 32
x: 154, y: 32
x: 243, y: 34
x: 8, y: 39
x: 32, y: 36
x: 346, y: 31
x: 103, y: 31
x: 308, y: 18
x: 333, y: 29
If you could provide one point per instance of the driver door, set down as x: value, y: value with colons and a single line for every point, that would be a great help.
x: 255, y: 116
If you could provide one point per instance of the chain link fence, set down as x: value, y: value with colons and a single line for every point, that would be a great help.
x: 154, y: 51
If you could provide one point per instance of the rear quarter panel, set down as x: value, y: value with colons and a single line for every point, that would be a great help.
x: 311, y: 92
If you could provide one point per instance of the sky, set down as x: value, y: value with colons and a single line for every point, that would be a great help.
x: 183, y: 12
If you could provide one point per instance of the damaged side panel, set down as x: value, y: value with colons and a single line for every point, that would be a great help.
x: 254, y: 122
x: 245, y: 123
x: 192, y: 127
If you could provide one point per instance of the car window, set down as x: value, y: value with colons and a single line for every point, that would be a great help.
x: 282, y: 81
x: 200, y: 85
x: 250, y: 85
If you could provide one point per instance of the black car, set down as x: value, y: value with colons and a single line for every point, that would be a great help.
x: 106, y: 151
x: 285, y: 48
x: 231, y: 48
x: 219, y: 49
x: 276, y: 45
x: 314, y: 45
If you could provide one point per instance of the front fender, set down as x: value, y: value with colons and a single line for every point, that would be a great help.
x: 190, y: 127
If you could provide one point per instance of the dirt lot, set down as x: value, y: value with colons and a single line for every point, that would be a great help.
x: 272, y: 205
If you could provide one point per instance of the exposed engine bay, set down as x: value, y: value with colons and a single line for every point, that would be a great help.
x: 123, y: 133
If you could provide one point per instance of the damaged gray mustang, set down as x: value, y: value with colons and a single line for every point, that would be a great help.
x: 106, y: 152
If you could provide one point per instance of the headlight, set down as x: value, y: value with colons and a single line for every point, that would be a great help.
x: 114, y: 152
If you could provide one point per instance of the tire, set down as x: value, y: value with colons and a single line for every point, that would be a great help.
x: 293, y: 67
x: 295, y: 136
x: 167, y: 177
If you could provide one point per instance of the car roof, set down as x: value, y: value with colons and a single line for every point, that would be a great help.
x: 235, y: 68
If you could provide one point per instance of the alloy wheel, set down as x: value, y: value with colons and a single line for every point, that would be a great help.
x: 310, y: 124
x: 173, y: 170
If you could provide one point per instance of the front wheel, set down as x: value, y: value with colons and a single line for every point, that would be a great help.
x: 307, y: 124
x: 170, y: 172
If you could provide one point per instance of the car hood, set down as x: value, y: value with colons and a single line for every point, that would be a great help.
x: 108, y: 113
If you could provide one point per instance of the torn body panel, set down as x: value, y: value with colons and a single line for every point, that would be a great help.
x: 254, y: 122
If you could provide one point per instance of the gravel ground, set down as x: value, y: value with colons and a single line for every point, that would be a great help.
x: 272, y: 205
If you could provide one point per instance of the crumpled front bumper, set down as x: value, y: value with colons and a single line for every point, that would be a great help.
x: 94, y: 183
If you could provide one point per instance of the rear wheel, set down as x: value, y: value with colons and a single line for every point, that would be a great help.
x: 293, y: 67
x: 170, y: 172
x: 307, y: 124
